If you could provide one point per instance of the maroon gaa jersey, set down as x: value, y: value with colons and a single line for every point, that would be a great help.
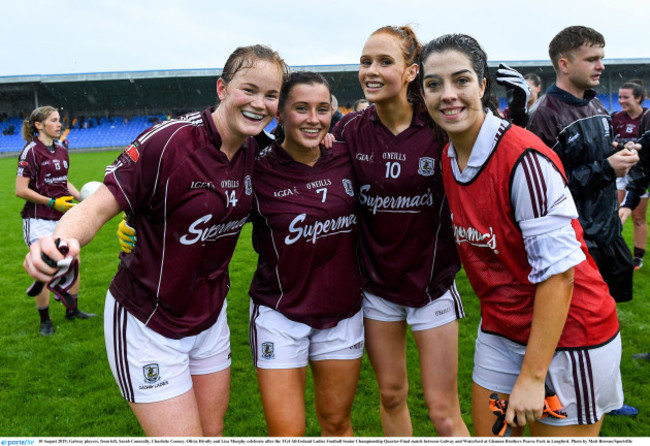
x: 408, y: 254
x: 305, y: 232
x: 48, y: 175
x: 626, y: 128
x: 188, y: 203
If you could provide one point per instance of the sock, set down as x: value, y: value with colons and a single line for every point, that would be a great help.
x: 69, y: 311
x: 44, y: 313
x: 638, y: 253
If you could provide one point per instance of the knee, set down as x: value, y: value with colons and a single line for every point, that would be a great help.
x: 335, y: 425
x: 215, y: 430
x: 394, y: 396
x: 445, y: 417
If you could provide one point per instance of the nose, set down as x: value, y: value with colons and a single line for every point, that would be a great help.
x: 312, y: 116
x: 258, y: 101
x: 371, y: 68
x: 448, y: 92
x: 600, y: 65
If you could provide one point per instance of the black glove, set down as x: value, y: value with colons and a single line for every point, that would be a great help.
x: 517, y: 93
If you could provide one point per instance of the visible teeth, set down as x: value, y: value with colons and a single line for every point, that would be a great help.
x: 314, y: 131
x: 253, y: 115
x: 373, y: 85
x: 450, y: 112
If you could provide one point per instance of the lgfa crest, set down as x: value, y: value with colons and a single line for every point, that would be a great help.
x: 248, y: 184
x: 151, y: 373
x: 427, y: 166
x: 347, y: 185
x: 267, y: 350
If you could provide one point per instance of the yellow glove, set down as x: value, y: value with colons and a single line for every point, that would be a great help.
x: 61, y: 204
x: 126, y: 236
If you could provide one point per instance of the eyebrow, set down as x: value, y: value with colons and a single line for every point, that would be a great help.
x: 456, y: 73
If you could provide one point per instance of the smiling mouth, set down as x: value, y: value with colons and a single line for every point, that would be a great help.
x: 373, y: 85
x: 451, y: 111
x: 311, y: 132
x: 253, y: 116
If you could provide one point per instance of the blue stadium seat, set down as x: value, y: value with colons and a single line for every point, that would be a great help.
x: 111, y: 132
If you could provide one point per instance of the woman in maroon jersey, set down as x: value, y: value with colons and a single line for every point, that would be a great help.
x: 628, y: 126
x: 548, y: 323
x: 306, y: 291
x: 42, y: 181
x: 185, y: 186
x: 407, y: 256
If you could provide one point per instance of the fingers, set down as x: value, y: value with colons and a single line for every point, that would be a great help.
x: 623, y: 214
x: 328, y: 141
x: 522, y: 417
x: 34, y: 263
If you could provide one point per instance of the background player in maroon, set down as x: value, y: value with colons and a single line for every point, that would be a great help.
x: 186, y: 187
x: 42, y: 181
x: 306, y: 291
x: 408, y: 257
x: 628, y: 126
x: 547, y: 318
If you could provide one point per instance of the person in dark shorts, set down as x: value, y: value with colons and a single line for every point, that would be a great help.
x: 185, y: 186
x: 547, y: 318
x: 42, y: 181
x: 572, y: 121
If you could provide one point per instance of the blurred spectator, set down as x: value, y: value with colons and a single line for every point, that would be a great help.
x: 360, y: 104
x: 336, y: 113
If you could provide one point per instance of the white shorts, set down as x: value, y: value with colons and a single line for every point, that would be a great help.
x: 586, y: 381
x: 149, y: 367
x: 35, y: 228
x: 445, y: 309
x: 621, y: 184
x: 280, y: 343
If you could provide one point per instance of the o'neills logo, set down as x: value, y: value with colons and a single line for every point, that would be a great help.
x: 344, y: 223
x: 476, y: 238
x: 199, y: 231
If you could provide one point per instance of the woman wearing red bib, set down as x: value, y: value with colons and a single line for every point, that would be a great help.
x: 547, y: 317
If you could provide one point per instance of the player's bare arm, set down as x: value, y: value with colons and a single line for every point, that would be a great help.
x: 76, y: 228
x: 552, y: 301
x: 23, y: 191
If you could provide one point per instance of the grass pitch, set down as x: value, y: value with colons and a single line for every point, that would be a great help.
x: 62, y: 386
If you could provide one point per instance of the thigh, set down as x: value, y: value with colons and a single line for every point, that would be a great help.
x: 386, y: 348
x: 639, y: 214
x: 283, y: 400
x: 178, y: 416
x: 482, y: 417
x: 335, y: 385
x: 212, y: 393
x: 438, y: 349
